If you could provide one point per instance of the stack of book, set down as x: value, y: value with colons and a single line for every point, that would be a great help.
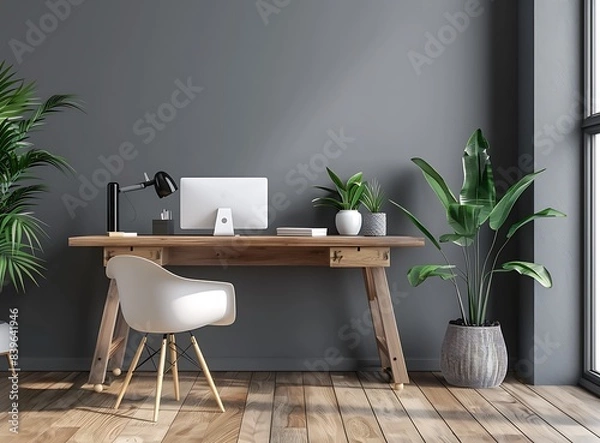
x: 302, y: 232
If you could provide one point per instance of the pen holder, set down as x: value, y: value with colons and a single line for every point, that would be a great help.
x: 163, y: 227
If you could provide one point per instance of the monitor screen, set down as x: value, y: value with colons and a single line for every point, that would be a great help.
x: 202, y: 197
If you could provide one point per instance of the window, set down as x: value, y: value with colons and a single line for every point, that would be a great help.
x: 591, y: 128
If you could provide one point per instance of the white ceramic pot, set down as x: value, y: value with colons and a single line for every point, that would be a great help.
x: 348, y: 222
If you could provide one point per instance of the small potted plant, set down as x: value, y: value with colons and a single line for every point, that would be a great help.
x: 346, y: 198
x: 473, y: 350
x: 374, y: 221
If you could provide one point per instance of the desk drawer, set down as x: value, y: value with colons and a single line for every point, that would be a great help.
x: 359, y: 257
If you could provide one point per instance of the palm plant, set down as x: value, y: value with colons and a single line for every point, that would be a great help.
x: 476, y: 207
x: 20, y: 231
x: 345, y: 196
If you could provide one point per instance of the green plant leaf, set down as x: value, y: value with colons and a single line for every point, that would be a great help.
x: 327, y: 201
x: 355, y: 192
x: 418, y: 274
x: 419, y: 225
x: 533, y: 270
x: 326, y: 189
x: 436, y: 182
x: 545, y: 213
x: 373, y: 196
x: 502, y: 209
x: 464, y: 219
x: 478, y: 183
x: 356, y: 178
x: 349, y: 194
x: 460, y: 240
x: 336, y: 180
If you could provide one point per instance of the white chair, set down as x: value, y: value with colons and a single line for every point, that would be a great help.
x: 5, y: 345
x: 154, y: 300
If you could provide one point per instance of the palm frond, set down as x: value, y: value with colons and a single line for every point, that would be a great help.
x: 16, y: 96
x: 21, y: 233
x: 54, y: 104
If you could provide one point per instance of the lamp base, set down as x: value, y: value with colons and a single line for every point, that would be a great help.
x: 112, y: 207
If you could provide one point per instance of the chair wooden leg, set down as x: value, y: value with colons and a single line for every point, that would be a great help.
x: 10, y: 365
x: 134, y: 362
x: 159, y: 377
x: 174, y: 369
x: 204, y: 366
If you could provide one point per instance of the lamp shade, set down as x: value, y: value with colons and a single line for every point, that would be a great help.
x: 164, y: 184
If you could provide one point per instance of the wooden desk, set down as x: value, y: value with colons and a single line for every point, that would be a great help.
x: 371, y: 254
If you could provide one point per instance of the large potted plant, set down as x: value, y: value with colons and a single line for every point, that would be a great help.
x: 20, y: 230
x: 473, y: 351
x: 346, y: 198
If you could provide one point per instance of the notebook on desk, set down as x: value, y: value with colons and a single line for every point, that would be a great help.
x: 302, y: 232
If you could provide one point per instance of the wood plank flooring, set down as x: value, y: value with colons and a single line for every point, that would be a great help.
x: 295, y: 407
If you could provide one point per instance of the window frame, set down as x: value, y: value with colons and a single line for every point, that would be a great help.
x: 590, y: 128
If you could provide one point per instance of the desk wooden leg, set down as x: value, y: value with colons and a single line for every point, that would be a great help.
x: 377, y: 322
x: 121, y: 334
x: 384, y: 325
x: 105, y: 336
x: 11, y: 367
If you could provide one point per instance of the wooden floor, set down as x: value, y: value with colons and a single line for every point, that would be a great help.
x: 290, y: 407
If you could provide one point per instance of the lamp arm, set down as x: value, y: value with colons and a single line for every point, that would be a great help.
x: 134, y: 187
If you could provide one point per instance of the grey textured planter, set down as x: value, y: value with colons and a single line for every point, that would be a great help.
x: 374, y: 224
x: 474, y: 356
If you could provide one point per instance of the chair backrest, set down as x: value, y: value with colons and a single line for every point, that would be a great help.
x: 156, y: 300
x: 4, y: 337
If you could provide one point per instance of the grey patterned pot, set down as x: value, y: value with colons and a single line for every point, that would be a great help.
x: 374, y: 224
x: 474, y: 356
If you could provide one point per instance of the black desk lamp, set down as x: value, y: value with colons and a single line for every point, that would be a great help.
x: 164, y: 185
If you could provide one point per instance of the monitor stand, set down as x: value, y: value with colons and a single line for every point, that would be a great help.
x: 224, y: 222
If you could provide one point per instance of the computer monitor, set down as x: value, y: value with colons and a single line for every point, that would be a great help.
x: 223, y: 203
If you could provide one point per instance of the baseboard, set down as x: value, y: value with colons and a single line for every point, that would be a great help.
x: 592, y: 387
x: 236, y: 364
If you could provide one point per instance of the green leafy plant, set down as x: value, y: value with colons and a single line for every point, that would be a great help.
x: 20, y: 231
x: 475, y: 209
x: 373, y: 197
x: 345, y: 195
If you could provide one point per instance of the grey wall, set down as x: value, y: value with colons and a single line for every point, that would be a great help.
x: 550, y: 116
x: 274, y: 92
